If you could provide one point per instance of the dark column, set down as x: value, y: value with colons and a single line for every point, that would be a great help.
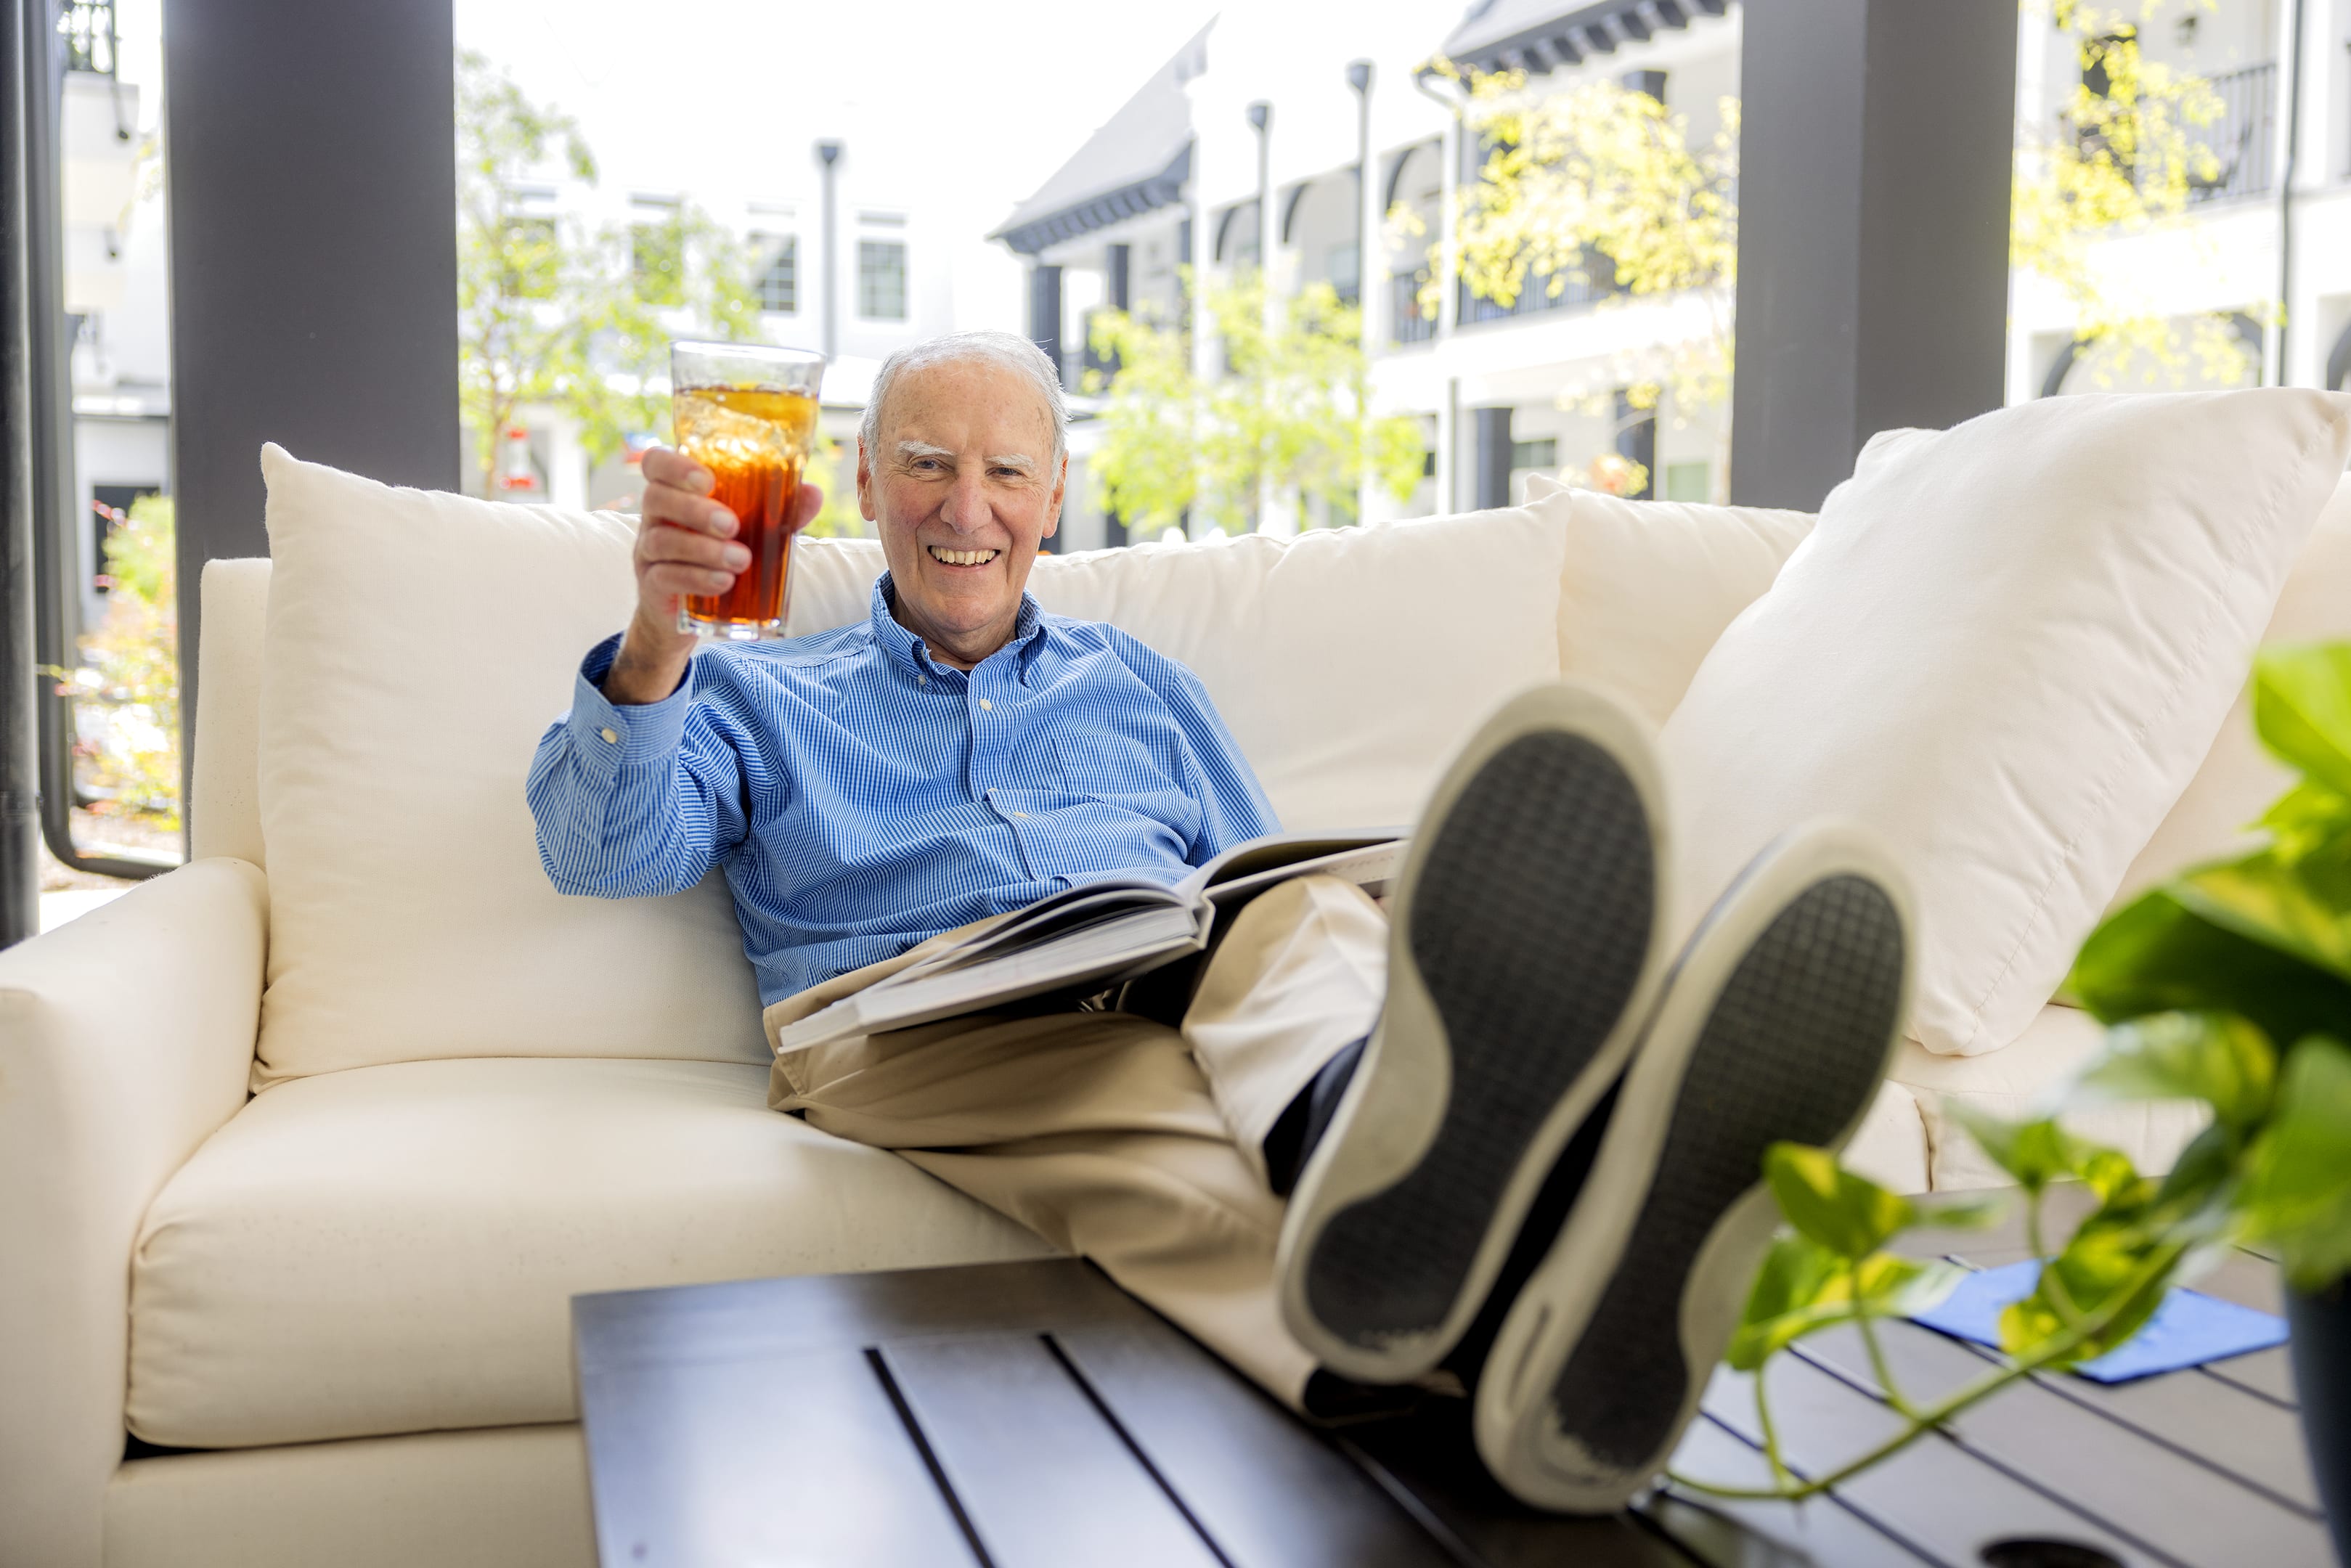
x: 1492, y: 464
x: 1651, y: 82
x: 1636, y: 442
x: 1873, y: 245
x: 27, y: 32
x: 314, y: 258
x: 1117, y: 284
x: 1045, y: 314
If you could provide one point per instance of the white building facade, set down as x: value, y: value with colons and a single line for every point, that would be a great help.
x: 1259, y: 125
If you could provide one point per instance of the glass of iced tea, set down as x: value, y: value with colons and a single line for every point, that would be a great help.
x: 748, y: 414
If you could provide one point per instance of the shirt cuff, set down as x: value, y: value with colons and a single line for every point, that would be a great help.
x: 631, y: 733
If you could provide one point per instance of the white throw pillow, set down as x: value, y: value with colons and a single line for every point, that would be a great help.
x: 1649, y: 586
x: 2239, y: 780
x: 417, y: 645
x: 1350, y: 662
x: 2006, y: 646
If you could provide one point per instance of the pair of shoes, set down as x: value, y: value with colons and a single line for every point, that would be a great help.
x: 1529, y: 975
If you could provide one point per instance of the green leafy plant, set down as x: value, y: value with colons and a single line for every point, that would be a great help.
x: 126, y: 687
x: 2228, y: 986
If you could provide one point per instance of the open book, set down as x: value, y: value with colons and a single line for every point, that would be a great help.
x: 1095, y: 935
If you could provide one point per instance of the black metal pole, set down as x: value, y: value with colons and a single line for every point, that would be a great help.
x: 20, y: 900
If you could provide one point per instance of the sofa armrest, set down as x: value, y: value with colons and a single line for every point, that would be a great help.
x: 126, y: 1038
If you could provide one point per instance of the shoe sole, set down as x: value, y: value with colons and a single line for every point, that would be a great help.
x: 1529, y: 909
x: 1777, y: 1025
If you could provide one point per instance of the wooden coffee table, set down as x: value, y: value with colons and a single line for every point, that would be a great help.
x: 1034, y: 1415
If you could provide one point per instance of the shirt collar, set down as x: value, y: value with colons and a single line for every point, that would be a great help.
x: 910, y: 651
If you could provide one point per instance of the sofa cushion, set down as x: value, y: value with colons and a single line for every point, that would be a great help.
x: 1649, y: 586
x: 2238, y: 778
x: 416, y: 648
x: 2018, y: 1083
x: 395, y: 1249
x: 2006, y: 647
x: 402, y: 700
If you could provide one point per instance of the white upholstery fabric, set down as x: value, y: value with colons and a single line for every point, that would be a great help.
x: 2006, y: 647
x: 2238, y: 778
x: 2016, y: 1083
x: 394, y: 1248
x: 1649, y: 586
x: 514, y: 1496
x: 417, y: 645
x: 1889, y: 1148
x: 224, y: 784
x: 124, y: 1040
x: 1350, y: 662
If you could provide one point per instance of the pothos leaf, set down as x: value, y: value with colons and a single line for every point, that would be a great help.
x: 1849, y: 1214
x: 2297, y: 1191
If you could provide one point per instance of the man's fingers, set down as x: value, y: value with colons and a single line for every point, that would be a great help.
x: 670, y: 580
x: 666, y: 543
x: 684, y: 509
x: 662, y: 465
x: 806, y: 504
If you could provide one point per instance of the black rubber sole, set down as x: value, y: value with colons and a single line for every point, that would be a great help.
x: 1791, y: 1051
x: 1530, y: 925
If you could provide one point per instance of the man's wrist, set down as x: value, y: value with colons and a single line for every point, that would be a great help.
x: 644, y: 670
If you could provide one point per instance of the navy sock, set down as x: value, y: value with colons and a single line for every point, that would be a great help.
x: 1305, y: 1119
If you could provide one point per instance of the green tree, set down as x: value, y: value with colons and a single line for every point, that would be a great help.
x: 551, y: 313
x: 1292, y: 417
x: 1600, y: 185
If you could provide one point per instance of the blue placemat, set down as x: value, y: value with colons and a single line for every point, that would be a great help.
x: 2189, y: 1330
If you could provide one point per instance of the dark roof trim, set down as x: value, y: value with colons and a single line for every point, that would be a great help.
x: 1576, y: 34
x: 1164, y: 189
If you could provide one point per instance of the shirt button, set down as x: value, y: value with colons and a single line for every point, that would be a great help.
x: 988, y: 705
x: 1022, y: 815
x: 612, y: 737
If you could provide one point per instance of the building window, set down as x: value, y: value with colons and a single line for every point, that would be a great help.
x: 1687, y: 482
x: 881, y: 280
x: 779, y: 286
x: 1541, y: 454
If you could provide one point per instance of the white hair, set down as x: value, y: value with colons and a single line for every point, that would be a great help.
x: 1007, y: 349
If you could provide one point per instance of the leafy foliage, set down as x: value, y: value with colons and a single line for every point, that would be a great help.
x: 126, y: 689
x: 2199, y: 980
x: 552, y: 314
x: 1292, y: 416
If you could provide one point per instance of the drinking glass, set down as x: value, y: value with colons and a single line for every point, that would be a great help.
x: 748, y: 414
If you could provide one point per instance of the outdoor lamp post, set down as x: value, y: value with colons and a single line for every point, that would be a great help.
x: 1260, y: 118
x: 1359, y: 77
x: 829, y: 154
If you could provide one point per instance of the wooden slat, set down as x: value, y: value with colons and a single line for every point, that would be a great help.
x: 805, y: 1460
x: 2166, y: 1501
x: 1266, y: 1488
x: 2266, y: 1372
x: 1942, y: 1500
x: 1430, y: 1458
x: 1726, y: 1533
x: 1045, y: 1482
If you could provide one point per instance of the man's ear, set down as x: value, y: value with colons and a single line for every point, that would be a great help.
x: 1053, y: 507
x: 864, y: 481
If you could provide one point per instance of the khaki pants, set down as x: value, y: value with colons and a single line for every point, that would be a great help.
x: 1119, y: 1139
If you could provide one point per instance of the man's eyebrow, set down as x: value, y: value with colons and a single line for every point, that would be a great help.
x: 1027, y: 465
x: 922, y: 449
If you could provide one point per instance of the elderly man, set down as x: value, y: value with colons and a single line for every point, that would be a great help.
x: 1510, y: 1134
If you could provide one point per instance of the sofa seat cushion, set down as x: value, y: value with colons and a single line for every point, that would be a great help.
x: 2015, y: 1081
x: 395, y: 1249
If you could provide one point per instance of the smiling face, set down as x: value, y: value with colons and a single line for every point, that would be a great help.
x: 963, y: 489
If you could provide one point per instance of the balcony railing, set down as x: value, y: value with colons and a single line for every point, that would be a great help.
x: 1406, y: 321
x: 2243, y: 137
x: 1535, y: 296
x: 87, y: 27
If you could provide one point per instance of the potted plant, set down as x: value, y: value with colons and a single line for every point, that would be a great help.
x: 2229, y: 985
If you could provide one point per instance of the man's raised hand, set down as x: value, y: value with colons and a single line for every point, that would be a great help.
x: 685, y: 547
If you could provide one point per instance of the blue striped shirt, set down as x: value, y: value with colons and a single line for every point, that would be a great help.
x: 862, y: 796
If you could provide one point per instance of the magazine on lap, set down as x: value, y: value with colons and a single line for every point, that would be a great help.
x: 1096, y: 934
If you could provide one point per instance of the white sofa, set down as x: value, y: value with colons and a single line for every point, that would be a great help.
x: 346, y: 1296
